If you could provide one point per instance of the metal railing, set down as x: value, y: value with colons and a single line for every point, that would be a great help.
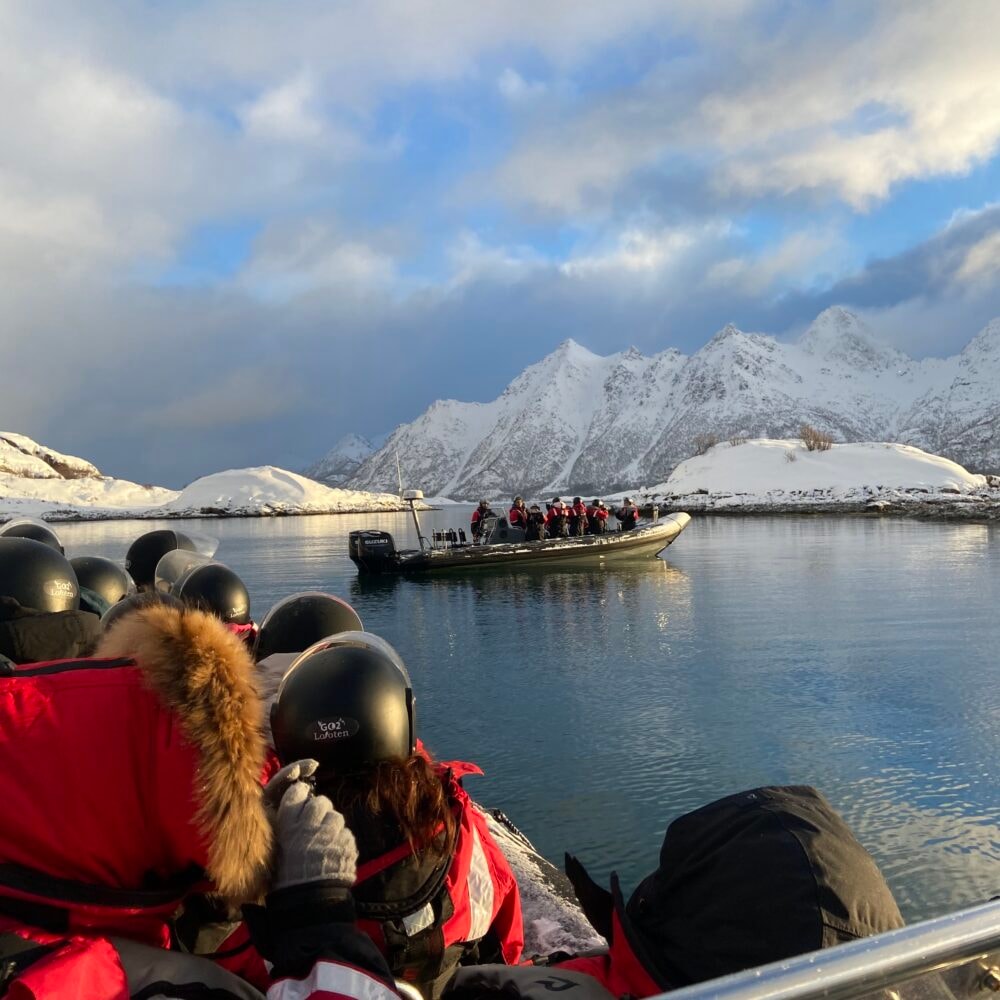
x: 883, y: 962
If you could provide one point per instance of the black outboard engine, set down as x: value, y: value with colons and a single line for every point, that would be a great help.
x: 372, y: 551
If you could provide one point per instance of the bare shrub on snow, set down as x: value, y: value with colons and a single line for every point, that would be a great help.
x: 703, y: 442
x: 790, y: 456
x: 737, y: 439
x: 815, y: 440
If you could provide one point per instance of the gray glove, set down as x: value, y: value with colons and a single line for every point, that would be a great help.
x: 275, y: 789
x: 314, y: 845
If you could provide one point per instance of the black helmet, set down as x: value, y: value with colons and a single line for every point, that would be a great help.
x: 137, y: 602
x: 346, y: 702
x: 105, y: 578
x: 37, y: 576
x: 297, y: 622
x: 145, y: 552
x: 39, y: 531
x: 217, y: 589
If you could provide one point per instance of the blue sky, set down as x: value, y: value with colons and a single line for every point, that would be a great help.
x: 232, y: 233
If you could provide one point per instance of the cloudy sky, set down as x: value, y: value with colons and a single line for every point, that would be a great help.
x: 231, y: 232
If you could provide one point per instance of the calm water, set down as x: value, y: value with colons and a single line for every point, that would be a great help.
x: 857, y: 655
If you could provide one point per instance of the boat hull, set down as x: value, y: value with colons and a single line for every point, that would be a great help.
x: 646, y: 540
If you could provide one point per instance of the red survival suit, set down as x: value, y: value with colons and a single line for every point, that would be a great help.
x: 428, y: 912
x: 517, y: 517
x: 129, y: 781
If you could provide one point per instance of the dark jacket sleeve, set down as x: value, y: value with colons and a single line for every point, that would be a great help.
x: 308, y: 934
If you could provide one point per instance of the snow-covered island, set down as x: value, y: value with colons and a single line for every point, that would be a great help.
x: 36, y: 481
x: 766, y: 476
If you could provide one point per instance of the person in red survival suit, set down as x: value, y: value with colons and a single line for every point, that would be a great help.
x: 517, y: 516
x: 557, y: 519
x: 597, y: 515
x: 753, y: 878
x: 628, y: 515
x: 130, y: 782
x: 579, y: 522
x: 433, y: 887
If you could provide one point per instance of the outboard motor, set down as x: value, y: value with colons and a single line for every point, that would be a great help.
x: 372, y: 551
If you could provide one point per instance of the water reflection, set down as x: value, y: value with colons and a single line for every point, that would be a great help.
x: 855, y: 654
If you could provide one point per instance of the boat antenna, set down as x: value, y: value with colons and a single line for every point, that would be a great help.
x: 399, y: 476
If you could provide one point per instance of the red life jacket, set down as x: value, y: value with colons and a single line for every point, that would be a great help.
x: 517, y: 516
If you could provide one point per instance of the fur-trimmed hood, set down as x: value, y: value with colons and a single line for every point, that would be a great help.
x: 204, y: 674
x: 137, y: 769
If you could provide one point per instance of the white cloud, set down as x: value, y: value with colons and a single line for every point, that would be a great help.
x: 813, y: 104
x: 285, y: 112
x: 514, y: 88
x: 982, y: 261
x: 637, y: 251
x: 793, y: 261
x: 295, y: 258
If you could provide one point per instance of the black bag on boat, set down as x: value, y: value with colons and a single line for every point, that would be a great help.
x: 752, y: 878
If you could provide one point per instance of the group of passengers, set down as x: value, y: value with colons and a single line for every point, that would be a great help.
x: 559, y: 520
x: 162, y: 835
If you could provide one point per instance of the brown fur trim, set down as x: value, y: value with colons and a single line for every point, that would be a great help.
x: 205, y: 675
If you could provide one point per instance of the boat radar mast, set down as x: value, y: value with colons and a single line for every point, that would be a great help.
x: 411, y: 497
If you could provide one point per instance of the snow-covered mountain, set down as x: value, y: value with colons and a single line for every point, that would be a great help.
x: 341, y: 461
x: 578, y: 422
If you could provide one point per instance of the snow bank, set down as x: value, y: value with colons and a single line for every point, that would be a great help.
x: 267, y: 490
x: 764, y: 466
x: 765, y: 475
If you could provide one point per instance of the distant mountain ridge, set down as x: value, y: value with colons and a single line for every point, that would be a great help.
x: 341, y: 461
x: 576, y: 421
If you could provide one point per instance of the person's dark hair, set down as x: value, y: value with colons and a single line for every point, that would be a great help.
x: 406, y: 791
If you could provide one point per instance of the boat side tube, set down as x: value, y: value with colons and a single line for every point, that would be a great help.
x: 953, y: 957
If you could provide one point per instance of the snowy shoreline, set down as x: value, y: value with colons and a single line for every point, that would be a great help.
x: 938, y: 508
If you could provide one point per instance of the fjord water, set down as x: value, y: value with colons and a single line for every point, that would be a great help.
x: 855, y: 654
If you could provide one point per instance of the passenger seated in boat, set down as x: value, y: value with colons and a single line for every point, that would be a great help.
x: 578, y: 520
x: 479, y: 516
x: 597, y: 517
x: 215, y: 588
x: 557, y: 519
x: 753, y: 878
x: 535, y: 531
x: 40, y: 616
x: 433, y: 888
x: 517, y: 516
x: 628, y: 515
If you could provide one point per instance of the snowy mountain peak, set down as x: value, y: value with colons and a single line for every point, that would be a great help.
x: 729, y: 332
x: 342, y: 460
x: 838, y: 335
x: 986, y: 342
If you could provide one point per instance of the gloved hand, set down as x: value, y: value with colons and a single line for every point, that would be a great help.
x: 275, y: 789
x: 314, y: 845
